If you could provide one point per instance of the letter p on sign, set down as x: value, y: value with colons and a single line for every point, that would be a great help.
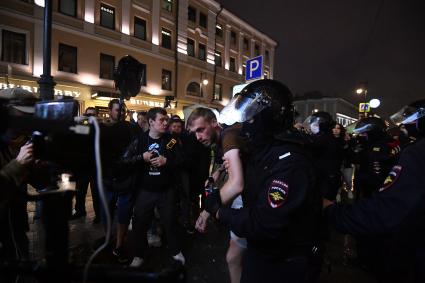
x: 254, y: 68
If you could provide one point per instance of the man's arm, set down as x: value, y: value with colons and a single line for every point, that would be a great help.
x: 234, y: 184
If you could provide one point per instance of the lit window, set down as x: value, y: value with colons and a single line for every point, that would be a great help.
x: 217, y: 92
x: 167, y: 5
x: 67, y: 58
x: 13, y: 47
x: 107, y: 16
x: 193, y: 89
x: 218, y: 58
x: 219, y: 30
x: 166, y: 79
x: 166, y: 38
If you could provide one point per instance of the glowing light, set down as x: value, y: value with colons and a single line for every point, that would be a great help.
x: 89, y: 14
x: 155, y: 39
x: 204, y: 81
x: 359, y: 91
x: 374, y: 103
x: 39, y: 3
x: 88, y: 79
x: 125, y: 29
x: 38, y: 67
x: 154, y: 90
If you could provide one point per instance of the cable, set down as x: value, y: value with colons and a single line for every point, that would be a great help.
x: 102, y: 196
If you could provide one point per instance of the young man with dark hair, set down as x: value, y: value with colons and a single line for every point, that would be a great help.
x: 156, y: 155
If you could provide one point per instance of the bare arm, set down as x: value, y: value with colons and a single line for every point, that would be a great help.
x: 234, y: 184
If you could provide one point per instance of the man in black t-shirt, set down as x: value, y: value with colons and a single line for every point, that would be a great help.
x: 156, y: 155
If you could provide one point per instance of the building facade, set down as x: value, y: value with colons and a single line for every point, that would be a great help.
x: 341, y: 110
x: 206, y: 43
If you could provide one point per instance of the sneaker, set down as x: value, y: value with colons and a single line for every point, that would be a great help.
x: 154, y: 240
x: 179, y: 257
x: 136, y: 262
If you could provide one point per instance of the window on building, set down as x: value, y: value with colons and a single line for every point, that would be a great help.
x: 167, y: 5
x: 193, y: 89
x: 257, y: 49
x: 267, y: 55
x: 107, y: 65
x: 202, y: 54
x: 219, y: 30
x: 166, y: 79
x: 233, y: 37
x: 203, y: 20
x: 218, y: 58
x: 68, y: 7
x: 232, y: 66
x: 166, y: 38
x: 245, y: 44
x: 191, y: 14
x: 107, y: 16
x: 139, y: 28
x: 217, y: 92
x: 13, y: 47
x: 190, y: 47
x: 67, y: 58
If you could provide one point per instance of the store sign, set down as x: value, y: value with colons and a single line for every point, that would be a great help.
x: 34, y: 89
x: 148, y: 103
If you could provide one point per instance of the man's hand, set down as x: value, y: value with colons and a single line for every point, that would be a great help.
x: 26, y: 154
x: 213, y: 201
x: 147, y: 156
x: 159, y: 161
x: 201, y: 222
x: 326, y: 203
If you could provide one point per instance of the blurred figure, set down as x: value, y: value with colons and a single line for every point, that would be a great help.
x: 142, y: 121
x: 84, y: 178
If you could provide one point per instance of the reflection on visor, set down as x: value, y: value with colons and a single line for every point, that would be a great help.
x: 240, y: 109
x: 407, y: 115
x: 363, y: 129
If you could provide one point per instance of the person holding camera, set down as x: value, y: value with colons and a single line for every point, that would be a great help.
x: 155, y: 154
x: 16, y: 160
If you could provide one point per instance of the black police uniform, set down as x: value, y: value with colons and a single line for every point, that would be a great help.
x: 397, y: 208
x: 280, y: 215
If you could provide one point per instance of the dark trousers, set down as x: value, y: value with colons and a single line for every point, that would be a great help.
x: 82, y: 184
x: 144, y: 212
x: 295, y: 269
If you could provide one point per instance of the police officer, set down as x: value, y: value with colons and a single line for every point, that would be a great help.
x: 328, y: 154
x: 280, y: 213
x: 398, y: 207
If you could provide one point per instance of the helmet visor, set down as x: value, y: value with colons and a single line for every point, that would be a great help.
x: 407, y: 115
x: 242, y: 108
x: 360, y: 129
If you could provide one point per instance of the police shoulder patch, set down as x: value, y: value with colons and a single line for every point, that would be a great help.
x: 277, y: 193
x: 391, y: 178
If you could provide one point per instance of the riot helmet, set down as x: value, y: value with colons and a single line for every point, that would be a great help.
x: 320, y: 122
x: 412, y: 117
x: 372, y: 127
x: 264, y: 108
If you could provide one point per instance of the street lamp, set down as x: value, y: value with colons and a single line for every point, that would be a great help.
x: 203, y: 82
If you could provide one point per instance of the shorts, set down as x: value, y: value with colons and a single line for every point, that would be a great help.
x: 241, y: 242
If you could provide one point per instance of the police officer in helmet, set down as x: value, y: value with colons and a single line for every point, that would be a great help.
x: 398, y: 207
x: 281, y: 206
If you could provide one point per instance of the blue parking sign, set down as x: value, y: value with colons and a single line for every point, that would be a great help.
x: 254, y: 68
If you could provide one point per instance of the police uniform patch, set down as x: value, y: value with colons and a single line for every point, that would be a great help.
x: 277, y: 194
x: 391, y: 178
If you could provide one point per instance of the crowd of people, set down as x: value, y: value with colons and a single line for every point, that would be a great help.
x: 278, y: 186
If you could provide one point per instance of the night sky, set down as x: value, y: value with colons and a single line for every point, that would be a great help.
x: 332, y: 45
